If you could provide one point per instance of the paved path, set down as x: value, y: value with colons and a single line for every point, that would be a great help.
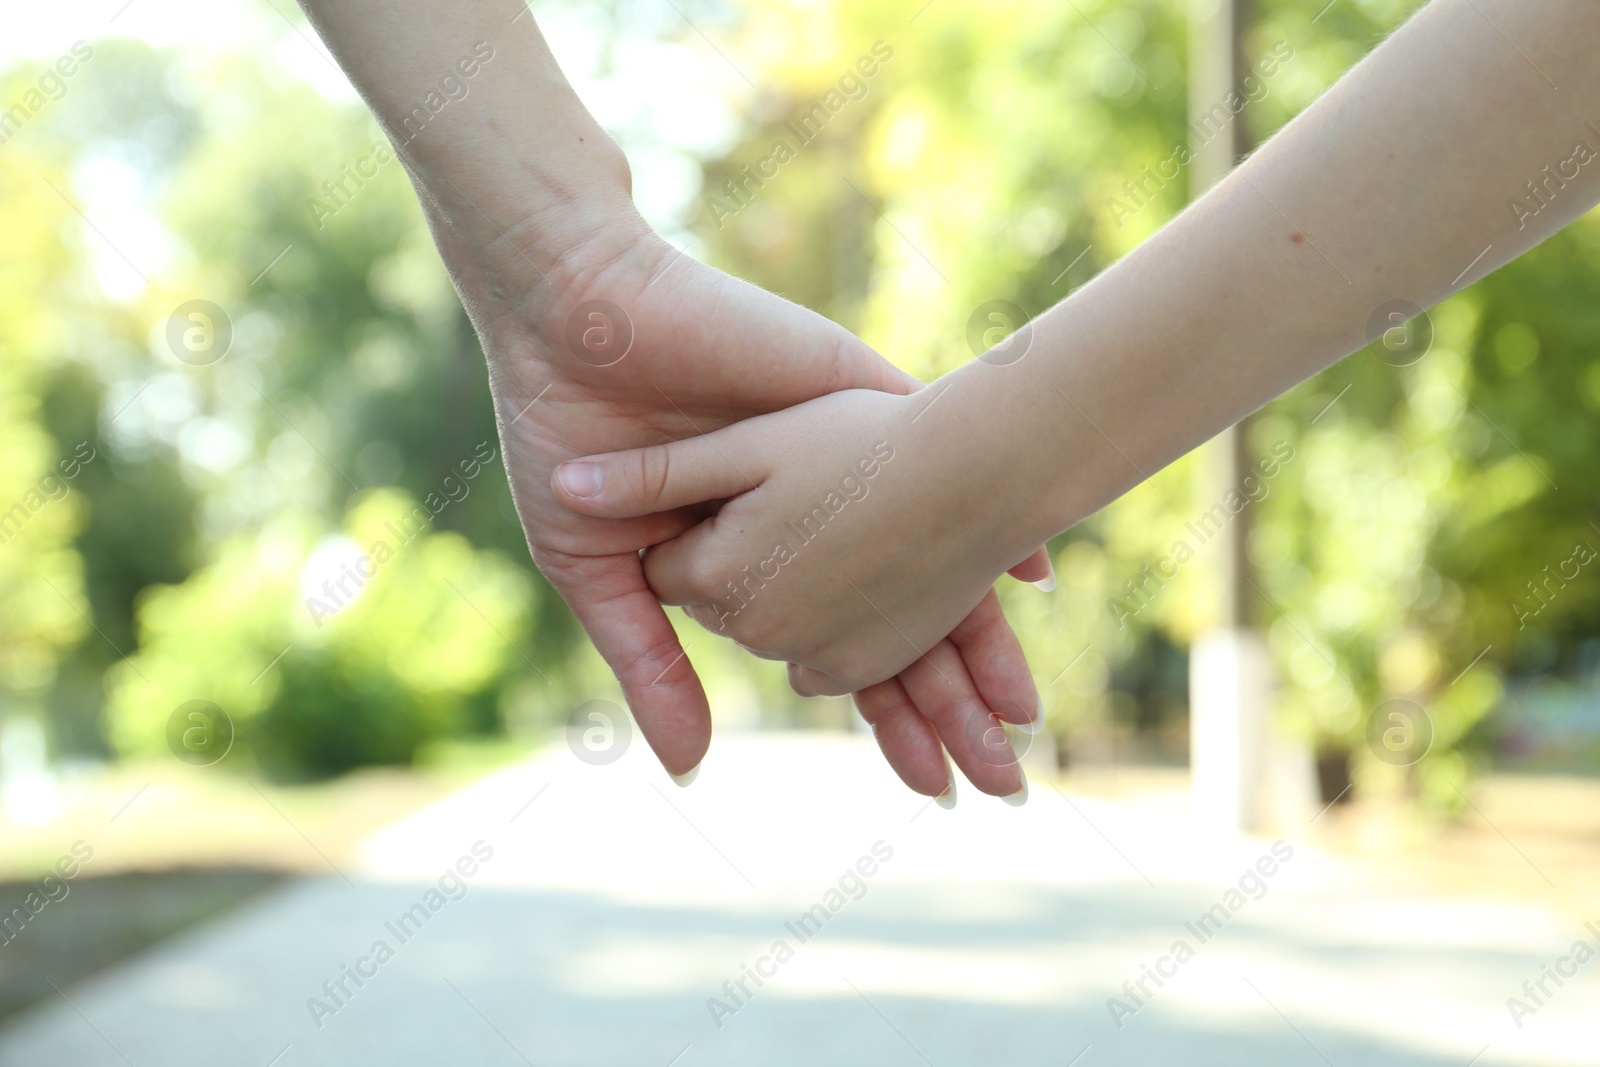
x: 606, y: 908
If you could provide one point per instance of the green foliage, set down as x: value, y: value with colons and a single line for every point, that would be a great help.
x: 41, y: 576
x: 352, y: 368
x: 322, y: 667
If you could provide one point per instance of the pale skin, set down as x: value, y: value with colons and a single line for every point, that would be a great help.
x: 530, y: 204
x: 1394, y: 186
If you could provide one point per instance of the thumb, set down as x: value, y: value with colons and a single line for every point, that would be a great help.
x: 621, y: 485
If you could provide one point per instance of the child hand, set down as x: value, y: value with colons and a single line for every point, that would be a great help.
x: 849, y: 547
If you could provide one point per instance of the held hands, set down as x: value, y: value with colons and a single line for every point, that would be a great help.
x: 849, y: 545
x: 703, y: 351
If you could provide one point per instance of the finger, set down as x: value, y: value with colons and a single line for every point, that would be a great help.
x: 628, y: 627
x: 908, y: 741
x: 620, y: 485
x: 810, y: 682
x: 1036, y: 569
x: 938, y: 684
x: 994, y: 660
x: 680, y: 572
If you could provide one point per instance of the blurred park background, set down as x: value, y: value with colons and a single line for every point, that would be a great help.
x: 174, y: 505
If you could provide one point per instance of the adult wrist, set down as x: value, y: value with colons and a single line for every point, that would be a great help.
x: 523, y: 213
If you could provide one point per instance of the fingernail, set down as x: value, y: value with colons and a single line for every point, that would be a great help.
x: 1047, y: 584
x: 947, y: 799
x: 1020, y: 797
x: 684, y: 779
x: 1038, y: 721
x: 580, y: 479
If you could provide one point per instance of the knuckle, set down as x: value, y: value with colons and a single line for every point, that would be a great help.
x: 653, y: 663
x: 768, y: 635
x: 706, y: 579
x: 807, y: 681
x: 709, y: 616
x: 652, y: 467
x: 797, y: 680
x: 749, y: 632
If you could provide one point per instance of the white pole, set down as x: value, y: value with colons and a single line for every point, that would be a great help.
x: 1230, y: 673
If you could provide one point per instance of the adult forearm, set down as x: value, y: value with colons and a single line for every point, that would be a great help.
x: 1396, y: 188
x: 493, y: 135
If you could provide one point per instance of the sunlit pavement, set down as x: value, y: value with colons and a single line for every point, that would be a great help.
x: 608, y: 917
